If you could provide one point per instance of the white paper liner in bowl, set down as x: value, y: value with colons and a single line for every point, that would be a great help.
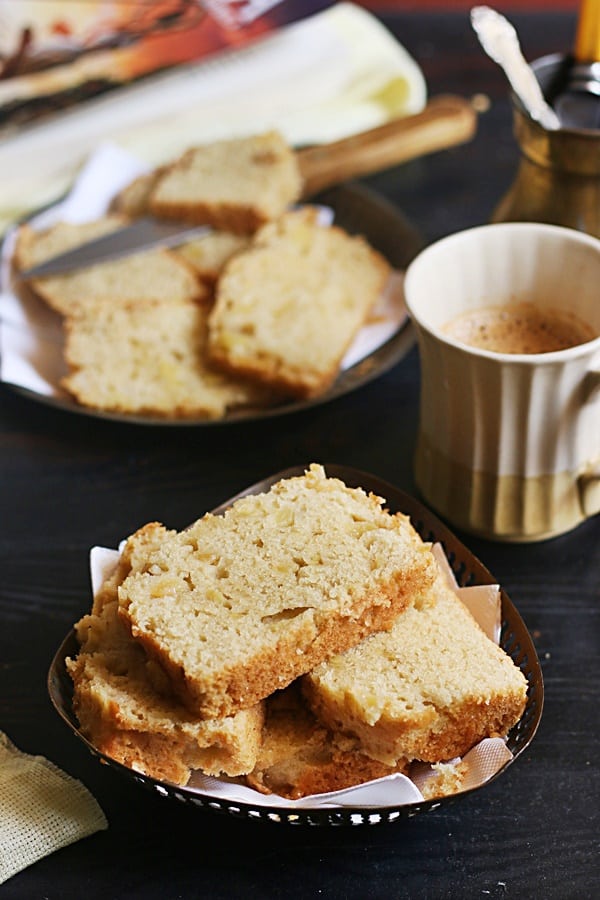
x: 31, y: 334
x: 477, y: 766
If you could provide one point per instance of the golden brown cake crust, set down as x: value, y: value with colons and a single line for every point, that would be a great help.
x: 209, y: 254
x: 288, y: 307
x: 429, y: 689
x: 150, y: 359
x: 238, y: 606
x: 235, y: 185
x: 132, y: 200
x: 151, y: 275
x: 300, y: 757
x: 124, y: 703
x: 248, y: 683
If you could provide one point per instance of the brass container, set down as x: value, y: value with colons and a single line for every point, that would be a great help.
x: 558, y: 178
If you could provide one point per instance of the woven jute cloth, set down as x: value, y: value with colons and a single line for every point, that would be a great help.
x: 41, y: 809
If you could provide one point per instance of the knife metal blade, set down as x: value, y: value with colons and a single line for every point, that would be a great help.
x: 143, y: 234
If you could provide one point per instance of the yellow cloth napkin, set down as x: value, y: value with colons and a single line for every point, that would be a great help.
x: 41, y: 809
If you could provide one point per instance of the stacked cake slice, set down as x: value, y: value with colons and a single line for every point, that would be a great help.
x: 310, y: 605
x: 260, y: 309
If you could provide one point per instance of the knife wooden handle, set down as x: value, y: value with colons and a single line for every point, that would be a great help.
x: 447, y: 120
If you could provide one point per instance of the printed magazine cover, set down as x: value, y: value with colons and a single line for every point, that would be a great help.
x: 58, y: 53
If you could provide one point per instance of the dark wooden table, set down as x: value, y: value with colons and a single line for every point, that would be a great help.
x: 70, y: 482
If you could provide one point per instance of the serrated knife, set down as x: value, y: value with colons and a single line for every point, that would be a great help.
x: 447, y: 120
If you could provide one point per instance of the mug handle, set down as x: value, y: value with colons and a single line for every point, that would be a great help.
x: 589, y: 480
x: 589, y: 491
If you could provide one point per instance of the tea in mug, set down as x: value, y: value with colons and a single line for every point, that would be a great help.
x: 519, y: 328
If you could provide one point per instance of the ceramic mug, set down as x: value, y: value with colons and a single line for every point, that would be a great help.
x: 509, y: 443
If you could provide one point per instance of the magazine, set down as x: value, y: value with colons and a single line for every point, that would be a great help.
x: 55, y: 54
x: 327, y: 75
